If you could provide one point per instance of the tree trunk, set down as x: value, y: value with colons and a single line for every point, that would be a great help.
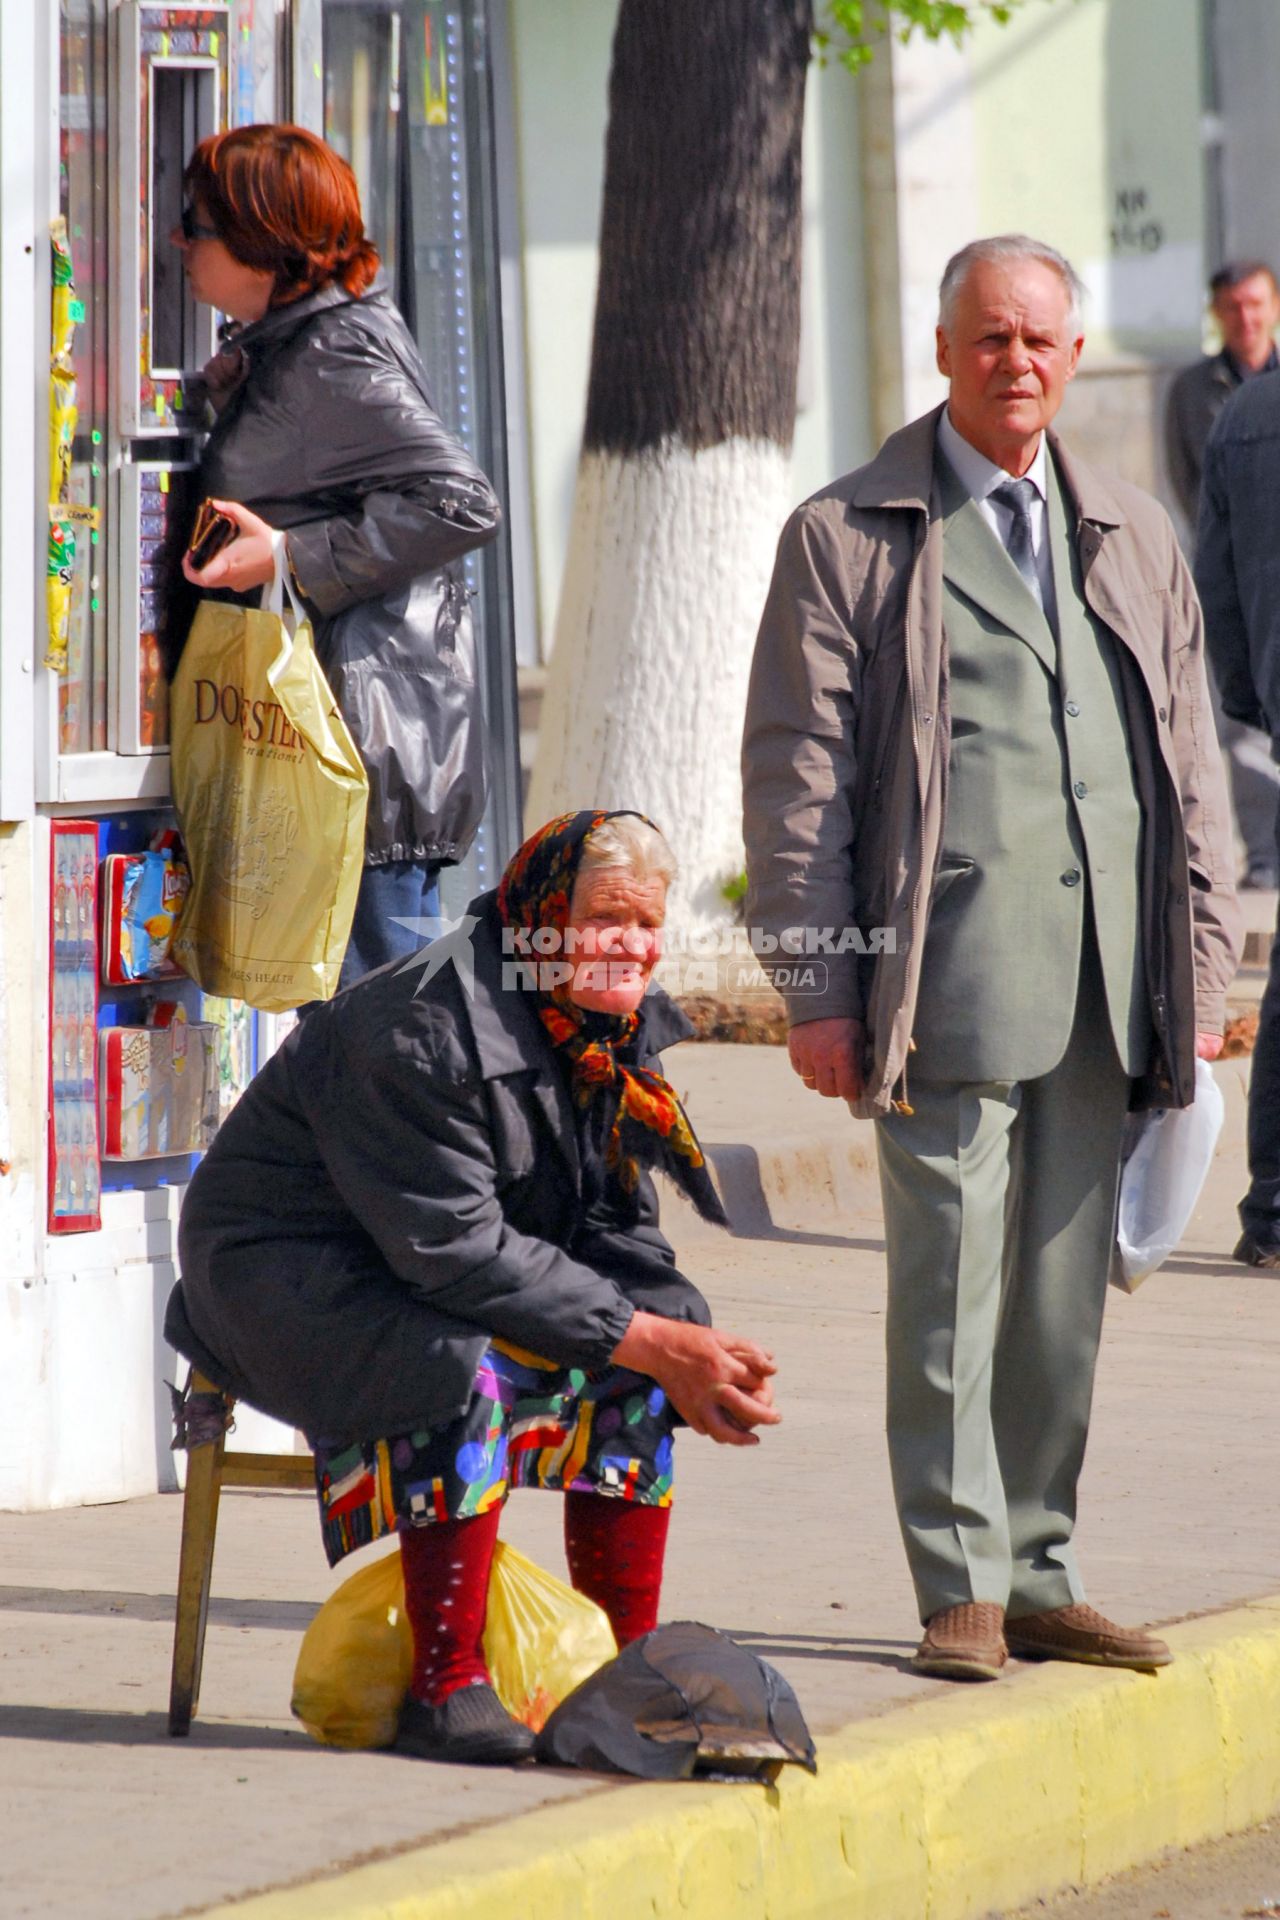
x: 683, y: 480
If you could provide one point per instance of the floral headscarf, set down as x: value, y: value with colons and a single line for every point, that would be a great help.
x: 631, y: 1111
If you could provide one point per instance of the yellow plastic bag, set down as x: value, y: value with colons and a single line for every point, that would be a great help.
x: 355, y: 1660
x: 541, y: 1639
x: 271, y: 797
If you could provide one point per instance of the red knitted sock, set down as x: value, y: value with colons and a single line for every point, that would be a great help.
x: 615, y: 1551
x: 446, y: 1593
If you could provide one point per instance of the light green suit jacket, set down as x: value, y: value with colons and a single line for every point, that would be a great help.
x: 1043, y: 829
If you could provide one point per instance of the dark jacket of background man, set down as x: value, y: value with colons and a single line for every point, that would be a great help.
x: 1237, y: 564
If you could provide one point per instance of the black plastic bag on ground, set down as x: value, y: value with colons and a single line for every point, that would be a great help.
x: 684, y: 1700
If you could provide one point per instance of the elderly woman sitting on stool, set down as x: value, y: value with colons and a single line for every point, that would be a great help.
x: 426, y: 1235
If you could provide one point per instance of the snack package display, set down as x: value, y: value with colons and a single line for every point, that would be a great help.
x: 74, y: 1173
x: 63, y: 415
x: 142, y: 896
x: 158, y: 1088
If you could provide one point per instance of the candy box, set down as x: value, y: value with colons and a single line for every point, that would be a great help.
x: 142, y: 896
x: 158, y: 1089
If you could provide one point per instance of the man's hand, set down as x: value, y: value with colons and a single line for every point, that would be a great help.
x: 246, y: 563
x: 718, y: 1382
x: 827, y: 1054
x: 1208, y: 1046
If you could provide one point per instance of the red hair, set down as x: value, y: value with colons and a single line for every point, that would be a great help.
x: 285, y: 203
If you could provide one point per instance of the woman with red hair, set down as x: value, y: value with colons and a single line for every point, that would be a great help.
x: 325, y: 429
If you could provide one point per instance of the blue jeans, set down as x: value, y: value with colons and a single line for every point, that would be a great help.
x: 1260, y: 1208
x: 390, y: 895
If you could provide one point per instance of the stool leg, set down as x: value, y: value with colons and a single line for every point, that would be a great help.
x: 195, y: 1566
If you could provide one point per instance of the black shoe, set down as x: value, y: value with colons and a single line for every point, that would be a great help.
x: 1253, y: 1254
x: 470, y: 1726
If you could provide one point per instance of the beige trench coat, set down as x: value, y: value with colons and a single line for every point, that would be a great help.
x: 847, y: 744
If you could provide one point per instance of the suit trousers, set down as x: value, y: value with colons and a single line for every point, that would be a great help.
x: 999, y: 1206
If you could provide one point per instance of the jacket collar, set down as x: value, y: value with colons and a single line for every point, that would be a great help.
x: 902, y: 475
x: 279, y: 324
x: 509, y: 1036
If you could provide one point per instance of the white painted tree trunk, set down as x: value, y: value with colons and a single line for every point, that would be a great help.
x: 669, y: 559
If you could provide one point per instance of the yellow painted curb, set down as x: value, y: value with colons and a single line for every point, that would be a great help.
x: 960, y: 1806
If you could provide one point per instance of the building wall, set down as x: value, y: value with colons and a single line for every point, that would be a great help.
x: 560, y: 64
x: 1087, y: 121
x: 1080, y: 123
x: 835, y: 428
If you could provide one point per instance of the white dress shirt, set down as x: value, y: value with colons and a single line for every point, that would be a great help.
x: 981, y: 477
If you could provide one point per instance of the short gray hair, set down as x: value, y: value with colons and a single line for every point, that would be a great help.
x: 629, y: 844
x: 1007, y: 246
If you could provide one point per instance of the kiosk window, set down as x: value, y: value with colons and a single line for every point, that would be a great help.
x: 183, y: 108
x: 82, y: 690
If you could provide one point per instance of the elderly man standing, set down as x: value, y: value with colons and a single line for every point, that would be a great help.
x: 978, y: 721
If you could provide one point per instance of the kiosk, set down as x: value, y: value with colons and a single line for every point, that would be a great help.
x: 99, y: 335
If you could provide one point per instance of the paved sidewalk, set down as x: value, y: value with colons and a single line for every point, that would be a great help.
x: 792, y: 1546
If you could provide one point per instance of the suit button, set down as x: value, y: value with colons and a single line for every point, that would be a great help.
x: 1163, y: 714
x: 1072, y: 709
x: 1080, y: 789
x: 1071, y: 878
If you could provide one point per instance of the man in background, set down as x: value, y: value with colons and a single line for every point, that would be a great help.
x: 1238, y: 578
x: 1245, y: 302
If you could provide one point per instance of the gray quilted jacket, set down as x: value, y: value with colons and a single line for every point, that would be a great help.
x: 332, y: 435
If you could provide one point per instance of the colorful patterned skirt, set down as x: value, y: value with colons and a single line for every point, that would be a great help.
x: 530, y: 1423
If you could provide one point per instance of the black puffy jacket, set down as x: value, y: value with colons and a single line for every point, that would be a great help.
x: 333, y: 437
x: 400, y: 1183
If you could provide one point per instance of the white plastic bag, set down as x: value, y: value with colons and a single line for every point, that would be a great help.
x: 1161, y: 1180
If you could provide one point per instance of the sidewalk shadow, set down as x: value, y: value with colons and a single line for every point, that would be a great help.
x: 737, y: 1167
x: 96, y: 1727
x: 290, y: 1615
x: 857, y: 1649
x: 1219, y: 1267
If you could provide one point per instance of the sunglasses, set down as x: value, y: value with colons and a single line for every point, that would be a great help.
x: 191, y: 228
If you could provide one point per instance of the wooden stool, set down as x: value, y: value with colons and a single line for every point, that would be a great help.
x: 210, y: 1468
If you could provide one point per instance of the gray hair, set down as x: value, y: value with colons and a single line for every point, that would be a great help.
x: 1007, y: 246
x: 628, y: 844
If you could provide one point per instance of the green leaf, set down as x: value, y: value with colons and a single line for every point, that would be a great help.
x: 850, y: 27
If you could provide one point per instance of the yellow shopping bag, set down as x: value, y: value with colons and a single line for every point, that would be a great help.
x: 541, y: 1639
x: 355, y: 1660
x: 271, y: 797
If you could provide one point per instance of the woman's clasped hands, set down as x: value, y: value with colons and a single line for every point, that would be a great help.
x: 720, y: 1383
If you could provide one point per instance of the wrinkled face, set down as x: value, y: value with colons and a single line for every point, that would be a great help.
x: 614, y: 938
x: 1247, y: 316
x: 1008, y: 351
x: 214, y: 274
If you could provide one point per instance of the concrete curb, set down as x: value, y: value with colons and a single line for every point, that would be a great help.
x: 961, y: 1806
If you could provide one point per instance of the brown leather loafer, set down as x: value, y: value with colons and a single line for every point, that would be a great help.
x: 964, y: 1643
x: 1080, y: 1633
